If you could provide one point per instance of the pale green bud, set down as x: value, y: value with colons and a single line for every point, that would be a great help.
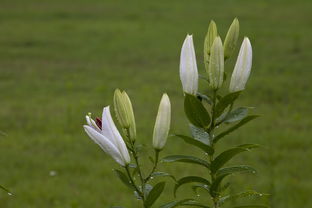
x: 162, y: 124
x: 129, y: 110
x: 211, y: 35
x: 216, y: 64
x: 124, y: 112
x: 231, y: 38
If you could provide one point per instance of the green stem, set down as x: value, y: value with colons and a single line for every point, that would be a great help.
x: 132, y: 181
x: 136, y: 159
x: 154, y: 167
x: 211, y: 157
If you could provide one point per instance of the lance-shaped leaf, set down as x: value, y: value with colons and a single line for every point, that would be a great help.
x: 162, y: 174
x: 196, y: 112
x: 236, y: 169
x: 195, y: 204
x: 234, y: 127
x: 186, y: 159
x: 204, y: 97
x: 225, y: 156
x: 176, y: 203
x: 225, y: 102
x: 236, y: 115
x: 206, y: 148
x: 5, y: 189
x: 200, y: 134
x: 215, y: 186
x: 244, y: 194
x: 202, y: 186
x: 252, y: 206
x: 124, y: 179
x: 154, y: 194
x: 190, y: 179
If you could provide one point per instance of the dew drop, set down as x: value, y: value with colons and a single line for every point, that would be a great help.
x: 260, y: 194
x: 152, y: 178
x: 10, y: 194
x: 198, y: 195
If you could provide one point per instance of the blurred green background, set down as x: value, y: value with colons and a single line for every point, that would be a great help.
x: 61, y: 59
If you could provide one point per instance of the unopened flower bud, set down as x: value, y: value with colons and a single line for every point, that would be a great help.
x: 231, y: 38
x: 216, y: 64
x: 242, y: 67
x: 162, y: 124
x: 210, y: 36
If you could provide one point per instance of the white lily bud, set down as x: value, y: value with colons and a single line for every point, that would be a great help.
x: 242, y: 67
x: 124, y: 112
x: 188, y: 67
x: 107, y: 136
x: 216, y: 64
x: 231, y: 38
x: 162, y: 124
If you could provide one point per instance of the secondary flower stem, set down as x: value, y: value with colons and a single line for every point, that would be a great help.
x: 136, y: 159
x: 132, y: 181
x: 154, y: 167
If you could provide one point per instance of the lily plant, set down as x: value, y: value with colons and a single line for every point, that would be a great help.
x: 212, y: 116
x: 122, y: 145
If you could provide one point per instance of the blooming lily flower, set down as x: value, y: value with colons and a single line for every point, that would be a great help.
x: 106, y: 135
x: 162, y: 124
x: 188, y: 66
x: 242, y: 67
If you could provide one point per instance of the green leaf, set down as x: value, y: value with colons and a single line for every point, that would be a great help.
x: 186, y: 159
x: 206, y: 148
x: 204, y: 97
x: 196, y: 112
x: 252, y: 206
x: 203, y: 186
x: 162, y: 174
x: 222, y: 173
x: 225, y: 156
x: 124, y: 178
x: 215, y: 186
x: 5, y: 189
x: 236, y: 169
x: 154, y: 194
x: 195, y: 204
x: 236, y: 115
x: 147, y: 189
x: 236, y: 126
x: 244, y: 194
x: 200, y: 134
x: 225, y: 102
x: 175, y: 203
x: 190, y: 179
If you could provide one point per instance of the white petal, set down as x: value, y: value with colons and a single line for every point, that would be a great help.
x: 162, y: 125
x: 105, y: 144
x: 188, y: 66
x: 110, y: 131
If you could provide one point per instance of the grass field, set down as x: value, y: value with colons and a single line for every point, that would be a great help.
x: 61, y: 59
